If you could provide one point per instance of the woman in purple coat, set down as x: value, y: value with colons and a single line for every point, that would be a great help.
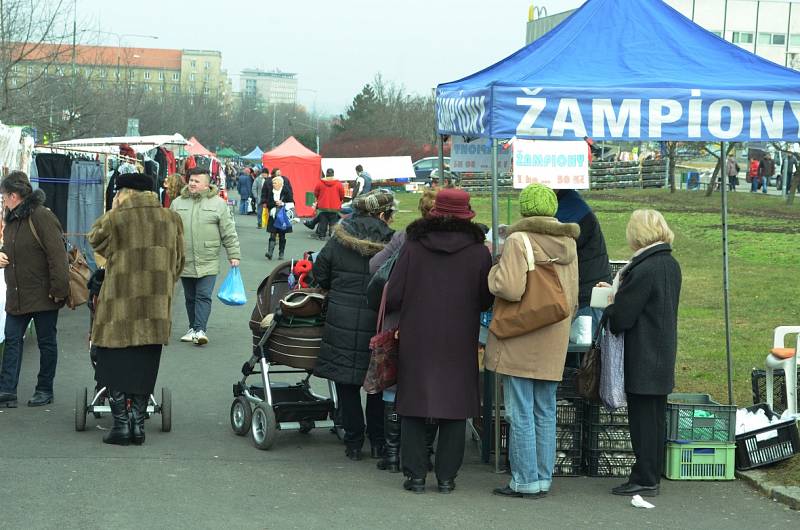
x: 439, y: 285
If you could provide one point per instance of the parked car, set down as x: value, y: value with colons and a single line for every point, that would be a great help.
x: 424, y: 166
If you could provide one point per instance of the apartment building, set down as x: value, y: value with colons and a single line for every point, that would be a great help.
x: 272, y: 87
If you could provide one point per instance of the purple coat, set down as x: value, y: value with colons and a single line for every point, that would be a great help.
x: 439, y: 285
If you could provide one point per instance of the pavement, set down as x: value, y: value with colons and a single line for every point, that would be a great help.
x: 201, y: 475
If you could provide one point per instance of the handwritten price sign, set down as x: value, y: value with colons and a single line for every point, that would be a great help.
x: 558, y: 165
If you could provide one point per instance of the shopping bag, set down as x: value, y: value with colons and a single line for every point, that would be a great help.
x: 264, y: 216
x: 231, y: 292
x: 282, y: 222
x: 612, y: 370
x: 588, y: 378
x: 384, y: 348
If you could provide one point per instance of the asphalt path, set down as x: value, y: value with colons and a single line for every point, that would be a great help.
x: 201, y: 475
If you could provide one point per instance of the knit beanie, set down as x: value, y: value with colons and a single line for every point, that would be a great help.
x: 538, y: 200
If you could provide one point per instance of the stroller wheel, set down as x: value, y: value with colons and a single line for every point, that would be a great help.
x: 241, y: 416
x: 166, y: 410
x: 263, y: 429
x: 80, y: 409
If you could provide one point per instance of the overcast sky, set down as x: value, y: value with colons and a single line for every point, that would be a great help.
x: 335, y: 46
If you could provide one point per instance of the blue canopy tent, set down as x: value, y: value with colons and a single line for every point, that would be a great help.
x: 627, y: 70
x: 255, y: 154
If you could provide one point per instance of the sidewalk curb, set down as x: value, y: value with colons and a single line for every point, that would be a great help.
x: 788, y: 495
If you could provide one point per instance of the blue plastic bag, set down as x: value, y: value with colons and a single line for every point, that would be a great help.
x: 282, y: 222
x: 231, y: 292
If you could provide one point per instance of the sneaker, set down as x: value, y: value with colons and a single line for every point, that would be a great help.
x: 189, y: 337
x: 200, y: 338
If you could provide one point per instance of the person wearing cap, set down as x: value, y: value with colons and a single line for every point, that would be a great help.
x: 36, y: 273
x: 209, y: 226
x: 143, y: 248
x: 532, y: 364
x: 439, y: 286
x: 330, y: 194
x: 342, y: 267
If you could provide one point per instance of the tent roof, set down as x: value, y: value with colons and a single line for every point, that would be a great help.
x: 138, y: 143
x: 292, y: 148
x: 255, y: 154
x: 194, y: 147
x: 637, y: 49
x: 227, y: 152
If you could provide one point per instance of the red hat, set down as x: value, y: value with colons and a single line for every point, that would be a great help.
x: 452, y: 202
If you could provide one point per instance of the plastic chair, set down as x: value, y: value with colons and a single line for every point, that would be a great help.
x: 781, y: 357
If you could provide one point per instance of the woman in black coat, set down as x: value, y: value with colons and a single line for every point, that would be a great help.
x: 645, y: 308
x: 278, y: 197
x: 440, y: 286
x: 342, y: 267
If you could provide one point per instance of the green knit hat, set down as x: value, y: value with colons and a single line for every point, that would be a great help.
x: 537, y: 200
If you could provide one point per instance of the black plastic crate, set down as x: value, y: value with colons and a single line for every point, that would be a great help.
x: 767, y: 445
x: 568, y: 438
x: 609, y: 464
x: 614, y: 438
x: 568, y: 464
x: 569, y: 412
x: 568, y: 387
x: 758, y: 379
x: 599, y: 415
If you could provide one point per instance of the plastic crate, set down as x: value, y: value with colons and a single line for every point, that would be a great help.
x: 568, y: 387
x: 758, y: 380
x: 599, y: 415
x: 568, y: 464
x: 700, y: 461
x: 609, y: 464
x: 608, y: 438
x: 767, y: 445
x: 569, y: 412
x: 568, y: 437
x: 698, y: 418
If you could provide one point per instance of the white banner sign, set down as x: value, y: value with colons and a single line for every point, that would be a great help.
x: 556, y: 164
x: 476, y: 156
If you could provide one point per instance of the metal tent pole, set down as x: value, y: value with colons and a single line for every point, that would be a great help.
x: 441, y: 161
x: 495, y: 248
x: 725, y: 268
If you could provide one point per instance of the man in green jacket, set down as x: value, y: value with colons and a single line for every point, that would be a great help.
x: 207, y: 226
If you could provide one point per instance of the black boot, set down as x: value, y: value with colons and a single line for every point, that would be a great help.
x: 430, y: 437
x: 391, y: 431
x: 281, y: 247
x: 139, y: 404
x: 270, y: 249
x: 120, y: 433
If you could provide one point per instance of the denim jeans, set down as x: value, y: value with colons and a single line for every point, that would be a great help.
x: 197, y: 292
x: 531, y: 414
x: 260, y: 213
x: 243, y: 201
x: 46, y: 322
x: 758, y: 183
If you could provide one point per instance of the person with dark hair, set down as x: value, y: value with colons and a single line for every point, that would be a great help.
x: 143, y: 248
x: 209, y: 226
x: 363, y: 183
x: 330, y: 194
x: 439, y: 285
x: 593, y: 263
x: 342, y: 267
x: 37, y: 279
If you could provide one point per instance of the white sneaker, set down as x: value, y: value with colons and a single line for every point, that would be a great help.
x: 189, y: 337
x: 200, y: 338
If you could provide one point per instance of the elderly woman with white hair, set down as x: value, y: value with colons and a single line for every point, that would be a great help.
x: 280, y: 197
x: 645, y: 309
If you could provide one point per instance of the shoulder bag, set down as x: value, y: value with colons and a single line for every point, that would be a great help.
x: 79, y: 272
x: 588, y: 378
x: 543, y: 303
x: 384, y: 348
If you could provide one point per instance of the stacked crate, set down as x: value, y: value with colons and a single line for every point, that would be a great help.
x: 607, y: 442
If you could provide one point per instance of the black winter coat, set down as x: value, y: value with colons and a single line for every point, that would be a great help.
x: 646, y: 310
x: 286, y: 196
x: 342, y: 267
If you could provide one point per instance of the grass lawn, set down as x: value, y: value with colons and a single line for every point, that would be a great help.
x: 764, y: 237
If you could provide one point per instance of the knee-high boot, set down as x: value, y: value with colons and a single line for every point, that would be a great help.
x: 281, y: 247
x: 391, y: 432
x: 430, y: 437
x: 138, y: 413
x: 270, y: 249
x: 120, y: 433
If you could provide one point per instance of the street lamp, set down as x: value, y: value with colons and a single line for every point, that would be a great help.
x: 314, y: 112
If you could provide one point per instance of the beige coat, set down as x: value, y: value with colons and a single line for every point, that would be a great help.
x: 539, y: 354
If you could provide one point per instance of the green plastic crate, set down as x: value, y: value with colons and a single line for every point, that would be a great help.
x: 698, y: 418
x: 700, y: 461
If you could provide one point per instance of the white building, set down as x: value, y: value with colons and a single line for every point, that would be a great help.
x: 769, y: 28
x: 272, y: 87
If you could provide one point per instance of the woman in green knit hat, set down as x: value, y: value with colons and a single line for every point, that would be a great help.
x: 532, y: 363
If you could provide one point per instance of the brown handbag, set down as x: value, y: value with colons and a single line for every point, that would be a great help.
x: 543, y: 303
x: 79, y: 273
x: 588, y: 378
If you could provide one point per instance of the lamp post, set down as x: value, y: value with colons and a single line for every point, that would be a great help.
x: 314, y: 112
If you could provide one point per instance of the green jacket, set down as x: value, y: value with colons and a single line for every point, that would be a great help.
x: 207, y: 225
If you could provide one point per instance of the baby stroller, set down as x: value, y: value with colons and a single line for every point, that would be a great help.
x: 287, y: 329
x: 97, y: 406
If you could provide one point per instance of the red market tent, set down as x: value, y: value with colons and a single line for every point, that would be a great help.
x: 301, y: 165
x: 194, y: 147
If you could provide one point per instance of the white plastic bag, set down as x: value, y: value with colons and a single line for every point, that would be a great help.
x: 612, y: 370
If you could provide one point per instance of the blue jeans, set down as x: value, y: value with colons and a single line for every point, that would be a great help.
x: 531, y: 414
x: 758, y: 183
x: 244, y: 199
x: 16, y: 325
x: 197, y: 292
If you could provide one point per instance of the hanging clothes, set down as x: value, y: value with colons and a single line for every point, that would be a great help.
x: 53, y: 175
x: 172, y: 165
x: 190, y: 163
x: 85, y: 203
